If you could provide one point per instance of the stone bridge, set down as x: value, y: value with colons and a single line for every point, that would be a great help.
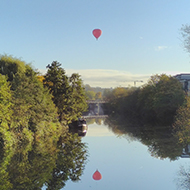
x: 94, y: 116
x: 95, y: 107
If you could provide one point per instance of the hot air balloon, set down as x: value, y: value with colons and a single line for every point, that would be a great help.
x: 97, y: 175
x: 97, y: 33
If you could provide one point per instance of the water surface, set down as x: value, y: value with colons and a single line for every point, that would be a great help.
x: 125, y: 163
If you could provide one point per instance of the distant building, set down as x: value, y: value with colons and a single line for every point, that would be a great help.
x: 185, y: 80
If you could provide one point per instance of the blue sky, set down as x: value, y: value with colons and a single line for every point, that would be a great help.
x: 139, y: 38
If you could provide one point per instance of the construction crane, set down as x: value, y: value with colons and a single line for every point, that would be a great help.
x: 137, y: 81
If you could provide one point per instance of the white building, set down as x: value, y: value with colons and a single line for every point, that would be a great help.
x: 184, y: 78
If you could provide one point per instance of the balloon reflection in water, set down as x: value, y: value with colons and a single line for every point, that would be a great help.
x: 97, y: 175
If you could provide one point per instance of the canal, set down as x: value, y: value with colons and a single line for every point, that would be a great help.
x: 127, y: 163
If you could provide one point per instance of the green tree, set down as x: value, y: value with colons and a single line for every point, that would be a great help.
x: 5, y: 102
x: 157, y: 101
x: 98, y: 96
x: 7, y: 137
x: 78, y: 96
x: 182, y: 123
x: 168, y: 98
x: 119, y: 92
x: 107, y: 94
x: 11, y: 66
x: 58, y: 83
x: 68, y: 92
x: 161, y: 97
x: 90, y: 95
x: 33, y: 103
x: 32, y: 106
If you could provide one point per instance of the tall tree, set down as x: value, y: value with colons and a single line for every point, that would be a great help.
x: 58, y: 83
x: 78, y: 100
x: 68, y: 92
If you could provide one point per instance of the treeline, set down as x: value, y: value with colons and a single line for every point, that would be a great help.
x: 157, y: 114
x: 158, y: 100
x: 96, y: 93
x: 161, y: 102
x: 33, y: 106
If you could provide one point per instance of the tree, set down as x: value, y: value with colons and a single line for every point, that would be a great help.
x: 58, y: 83
x: 32, y: 106
x: 116, y: 93
x: 90, y: 95
x: 157, y: 101
x: 5, y: 101
x: 161, y: 97
x: 182, y: 123
x: 107, y: 94
x: 98, y: 96
x: 78, y: 96
x: 33, y: 103
x: 6, y: 104
x: 185, y: 32
x: 168, y: 98
x: 11, y: 66
x: 88, y: 87
x: 68, y: 93
x: 119, y: 92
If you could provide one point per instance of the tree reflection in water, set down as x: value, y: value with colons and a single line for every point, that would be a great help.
x: 162, y: 143
x: 46, y: 162
x: 159, y: 139
x: 183, y: 179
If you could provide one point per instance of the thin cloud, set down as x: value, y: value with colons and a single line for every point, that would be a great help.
x: 109, y: 78
x: 160, y: 48
x: 112, y: 78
